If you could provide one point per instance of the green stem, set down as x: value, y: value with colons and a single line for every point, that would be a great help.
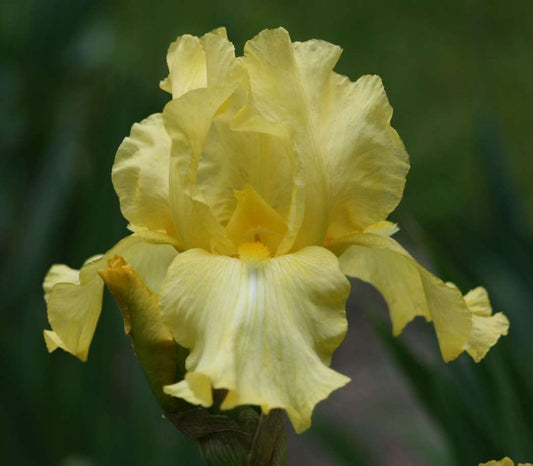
x: 240, y: 437
x: 269, y: 447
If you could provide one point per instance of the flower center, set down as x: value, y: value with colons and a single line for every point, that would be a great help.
x: 253, y: 252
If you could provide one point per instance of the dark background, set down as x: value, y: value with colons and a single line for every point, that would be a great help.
x: 74, y: 77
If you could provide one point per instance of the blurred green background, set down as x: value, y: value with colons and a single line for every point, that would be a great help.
x: 74, y: 77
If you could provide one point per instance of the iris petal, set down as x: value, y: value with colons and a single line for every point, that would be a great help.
x: 263, y: 331
x: 409, y: 290
x: 352, y: 158
x: 187, y: 121
x: 486, y: 327
x: 195, y: 63
x: 253, y: 219
x: 186, y: 64
x: 140, y: 176
x: 367, y: 162
x: 74, y: 300
x: 233, y: 159
x: 281, y: 95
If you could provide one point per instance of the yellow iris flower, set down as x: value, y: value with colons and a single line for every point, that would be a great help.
x: 503, y: 462
x: 265, y: 180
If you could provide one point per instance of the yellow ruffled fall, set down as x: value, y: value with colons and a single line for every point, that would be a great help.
x: 265, y: 180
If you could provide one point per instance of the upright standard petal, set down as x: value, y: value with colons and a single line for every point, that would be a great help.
x: 367, y: 162
x: 353, y: 159
x: 188, y: 121
x: 364, y: 157
x: 186, y: 66
x: 140, y: 176
x: 280, y: 93
x: 195, y: 63
x: 262, y: 329
x: 409, y: 290
x: 74, y: 300
x: 235, y: 161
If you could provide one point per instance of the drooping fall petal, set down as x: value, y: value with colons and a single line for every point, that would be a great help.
x: 73, y: 311
x: 409, y: 290
x: 486, y: 327
x: 74, y: 300
x: 59, y: 273
x: 264, y: 330
x: 462, y: 323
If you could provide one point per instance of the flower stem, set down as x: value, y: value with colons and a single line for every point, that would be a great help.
x: 240, y: 437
